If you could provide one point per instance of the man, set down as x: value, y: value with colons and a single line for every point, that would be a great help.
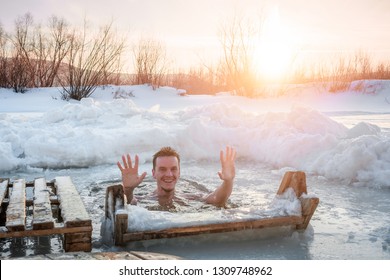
x: 166, y: 172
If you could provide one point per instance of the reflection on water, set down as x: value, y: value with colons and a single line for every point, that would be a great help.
x: 29, y: 246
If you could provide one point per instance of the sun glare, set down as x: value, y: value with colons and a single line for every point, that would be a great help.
x: 273, y: 52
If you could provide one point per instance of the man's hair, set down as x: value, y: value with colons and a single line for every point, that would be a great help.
x: 165, y: 152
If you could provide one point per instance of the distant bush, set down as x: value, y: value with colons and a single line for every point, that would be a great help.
x: 338, y: 73
x: 90, y: 62
x: 150, y: 63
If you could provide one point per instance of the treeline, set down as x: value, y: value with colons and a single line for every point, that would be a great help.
x: 81, y: 59
x: 338, y: 71
x: 58, y: 55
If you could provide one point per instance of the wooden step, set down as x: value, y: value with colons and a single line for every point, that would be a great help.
x: 72, y: 208
x: 42, y: 213
x: 16, y: 211
x: 57, y: 208
x: 3, y: 189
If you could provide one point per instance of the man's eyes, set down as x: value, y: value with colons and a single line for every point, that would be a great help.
x: 165, y: 169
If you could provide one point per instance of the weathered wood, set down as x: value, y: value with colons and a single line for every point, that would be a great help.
x: 42, y: 214
x: 120, y: 227
x: 76, y: 247
x: 153, y: 256
x: 309, y: 206
x: 44, y: 232
x: 122, y: 255
x: 74, y: 242
x: 3, y: 189
x: 74, y: 215
x: 212, y: 228
x: 16, y: 212
x: 72, y: 208
x: 114, y: 200
x: 76, y: 226
x: 295, y: 180
x: 114, y: 256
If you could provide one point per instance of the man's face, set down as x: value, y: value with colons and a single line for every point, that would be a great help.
x: 166, y: 173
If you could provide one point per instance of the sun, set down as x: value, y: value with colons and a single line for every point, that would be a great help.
x: 273, y: 52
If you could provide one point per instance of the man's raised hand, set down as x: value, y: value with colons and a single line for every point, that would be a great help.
x: 130, y: 177
x: 228, y: 171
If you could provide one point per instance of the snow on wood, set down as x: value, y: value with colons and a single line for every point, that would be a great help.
x: 72, y: 208
x: 3, y: 189
x: 16, y: 212
x: 42, y: 214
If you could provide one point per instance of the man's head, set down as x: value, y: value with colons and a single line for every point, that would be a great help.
x: 166, y: 169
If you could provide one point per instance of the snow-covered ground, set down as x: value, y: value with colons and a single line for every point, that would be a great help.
x: 340, y: 140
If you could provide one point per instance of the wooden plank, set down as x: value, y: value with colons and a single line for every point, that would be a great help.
x: 72, y: 208
x: 16, y: 212
x: 76, y: 247
x: 212, y: 228
x: 114, y: 201
x: 121, y: 255
x: 42, y: 214
x: 114, y: 256
x: 3, y: 189
x: 44, y: 232
x: 74, y: 242
x: 153, y: 256
x: 309, y: 205
x: 295, y: 180
x: 120, y: 227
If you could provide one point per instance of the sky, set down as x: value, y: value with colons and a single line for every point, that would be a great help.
x: 189, y: 28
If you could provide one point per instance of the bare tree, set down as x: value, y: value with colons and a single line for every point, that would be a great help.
x: 91, y: 61
x: 4, y: 60
x: 149, y: 62
x: 21, y: 70
x: 38, y: 52
x: 236, y: 67
x: 49, y: 50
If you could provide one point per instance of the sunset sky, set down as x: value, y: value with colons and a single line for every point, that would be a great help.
x: 189, y: 28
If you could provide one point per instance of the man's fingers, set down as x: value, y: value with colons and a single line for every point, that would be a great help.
x: 136, y: 162
x: 124, y: 162
x: 233, y: 156
x: 129, y: 161
x: 120, y: 166
x: 230, y: 154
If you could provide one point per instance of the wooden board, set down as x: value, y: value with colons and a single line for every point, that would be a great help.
x: 295, y: 180
x: 309, y: 206
x: 213, y: 228
x: 73, y: 220
x: 121, y: 255
x: 72, y: 208
x: 16, y: 211
x: 3, y: 189
x: 45, y: 232
x: 42, y: 213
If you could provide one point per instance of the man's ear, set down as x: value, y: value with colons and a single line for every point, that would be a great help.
x: 153, y: 174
